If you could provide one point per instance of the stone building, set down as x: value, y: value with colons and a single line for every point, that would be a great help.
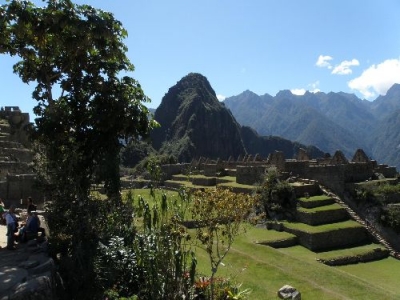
x: 331, y: 171
x: 17, y: 179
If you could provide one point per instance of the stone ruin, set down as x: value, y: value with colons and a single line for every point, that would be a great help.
x: 331, y: 171
x: 17, y: 179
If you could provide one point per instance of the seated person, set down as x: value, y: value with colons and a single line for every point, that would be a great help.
x: 32, y: 226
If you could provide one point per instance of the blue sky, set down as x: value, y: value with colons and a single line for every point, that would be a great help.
x: 259, y: 45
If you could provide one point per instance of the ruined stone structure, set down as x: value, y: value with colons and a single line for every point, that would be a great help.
x: 331, y: 171
x: 17, y: 180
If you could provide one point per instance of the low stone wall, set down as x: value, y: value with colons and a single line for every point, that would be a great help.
x: 210, y: 169
x: 18, y: 154
x: 332, y: 239
x: 18, y: 187
x: 313, y: 204
x: 303, y: 188
x: 376, y: 254
x: 172, y: 185
x: 207, y: 181
x: 322, y: 217
x: 169, y: 170
x: 284, y: 243
x: 249, y: 174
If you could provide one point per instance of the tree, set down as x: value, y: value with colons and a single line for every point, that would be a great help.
x: 75, y: 54
x: 277, y: 197
x: 220, y: 214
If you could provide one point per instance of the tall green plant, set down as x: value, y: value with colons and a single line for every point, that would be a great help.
x: 158, y: 263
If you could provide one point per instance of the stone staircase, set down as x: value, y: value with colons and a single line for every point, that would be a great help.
x: 338, y: 236
x: 372, y: 231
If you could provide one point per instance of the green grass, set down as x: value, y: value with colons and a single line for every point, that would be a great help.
x: 314, y: 198
x: 355, y: 251
x: 264, y: 269
x: 189, y: 184
x: 261, y: 234
x: 322, y: 228
x: 333, y: 206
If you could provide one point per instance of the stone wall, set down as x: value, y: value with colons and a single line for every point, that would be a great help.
x: 376, y: 254
x: 332, y: 239
x: 356, y: 172
x: 12, y: 167
x: 387, y: 171
x: 18, y: 122
x: 175, y: 169
x: 211, y: 181
x: 302, y: 188
x: 18, y: 154
x: 249, y: 174
x: 322, y: 217
x: 18, y: 187
x: 330, y: 176
x: 17, y: 180
x: 210, y: 169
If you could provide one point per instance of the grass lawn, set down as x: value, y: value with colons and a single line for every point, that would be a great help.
x: 264, y: 269
x: 355, y: 251
x: 314, y: 198
x: 225, y: 181
x: 322, y: 228
x: 333, y: 206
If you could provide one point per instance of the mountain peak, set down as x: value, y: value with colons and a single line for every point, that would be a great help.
x: 394, y: 91
x: 284, y: 94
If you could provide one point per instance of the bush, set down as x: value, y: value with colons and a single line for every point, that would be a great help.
x: 277, y: 197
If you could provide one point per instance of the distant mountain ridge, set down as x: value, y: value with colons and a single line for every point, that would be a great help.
x: 333, y: 121
x: 195, y: 124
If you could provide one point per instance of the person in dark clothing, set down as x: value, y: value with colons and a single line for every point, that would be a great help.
x: 31, y: 207
x: 12, y: 227
x: 32, y: 227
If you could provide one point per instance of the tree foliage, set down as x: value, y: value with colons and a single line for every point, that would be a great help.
x: 74, y: 54
x: 277, y: 197
x: 157, y: 262
x: 220, y: 214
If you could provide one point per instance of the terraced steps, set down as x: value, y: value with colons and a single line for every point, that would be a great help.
x: 327, y: 226
x: 284, y: 240
x: 328, y: 236
x: 330, y: 213
x: 365, y: 253
x: 315, y: 201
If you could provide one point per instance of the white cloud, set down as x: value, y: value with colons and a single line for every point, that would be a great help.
x: 344, y: 67
x: 314, y: 87
x: 323, y: 61
x: 377, y: 79
x: 298, y: 92
x: 221, y: 97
